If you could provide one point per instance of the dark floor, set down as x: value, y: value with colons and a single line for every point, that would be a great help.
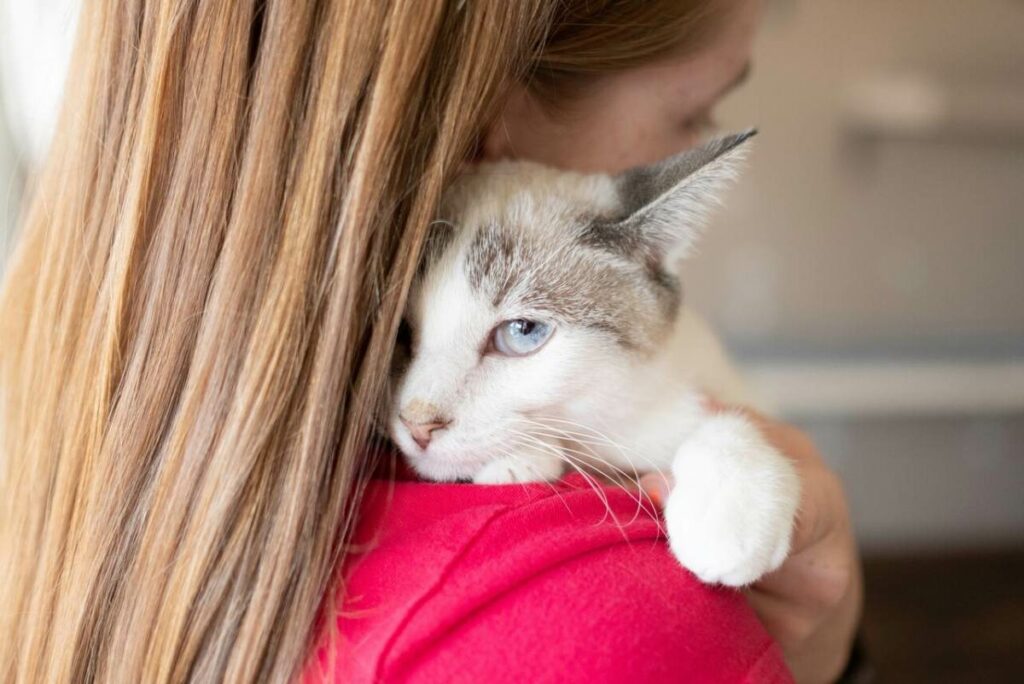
x: 952, y: 618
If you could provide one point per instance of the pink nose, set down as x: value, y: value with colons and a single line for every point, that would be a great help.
x: 422, y: 432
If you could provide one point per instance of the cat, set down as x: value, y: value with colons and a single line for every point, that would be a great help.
x: 548, y: 330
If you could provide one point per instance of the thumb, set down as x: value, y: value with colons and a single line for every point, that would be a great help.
x: 657, y: 486
x: 712, y: 404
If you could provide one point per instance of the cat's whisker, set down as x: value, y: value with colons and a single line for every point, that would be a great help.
x: 634, y: 480
x: 581, y: 469
x: 545, y: 431
x: 638, y: 494
x: 609, y: 512
x: 565, y: 438
x: 517, y: 441
x: 568, y: 459
x: 518, y: 459
x: 577, y: 438
x: 605, y: 439
x: 573, y: 459
x: 590, y: 456
x: 644, y: 502
x: 589, y: 434
x: 626, y: 453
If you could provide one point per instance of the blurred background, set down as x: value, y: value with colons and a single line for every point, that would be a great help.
x: 869, y: 273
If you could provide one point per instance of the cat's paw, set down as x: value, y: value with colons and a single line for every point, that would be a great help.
x: 524, y: 469
x: 730, y: 515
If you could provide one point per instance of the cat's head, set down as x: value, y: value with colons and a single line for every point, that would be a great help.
x: 538, y: 288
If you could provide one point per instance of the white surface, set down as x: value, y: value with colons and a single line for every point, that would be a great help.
x: 35, y: 44
x: 10, y: 189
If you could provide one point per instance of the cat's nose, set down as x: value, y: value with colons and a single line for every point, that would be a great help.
x: 422, y: 432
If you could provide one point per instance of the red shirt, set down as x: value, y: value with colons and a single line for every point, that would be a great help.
x: 530, y: 583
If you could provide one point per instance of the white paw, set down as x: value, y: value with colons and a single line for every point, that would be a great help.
x: 730, y: 515
x: 525, y: 468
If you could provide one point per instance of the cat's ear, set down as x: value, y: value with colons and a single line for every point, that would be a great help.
x: 665, y: 205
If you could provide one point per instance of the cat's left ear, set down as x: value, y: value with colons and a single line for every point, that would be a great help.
x: 665, y: 205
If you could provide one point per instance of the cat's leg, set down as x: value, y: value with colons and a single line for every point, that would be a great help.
x: 730, y: 514
x: 541, y: 462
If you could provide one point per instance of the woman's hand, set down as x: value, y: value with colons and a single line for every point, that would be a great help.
x: 811, y: 605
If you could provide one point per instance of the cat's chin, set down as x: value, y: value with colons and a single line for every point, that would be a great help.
x: 440, y: 469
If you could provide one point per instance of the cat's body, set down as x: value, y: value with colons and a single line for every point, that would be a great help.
x: 550, y: 333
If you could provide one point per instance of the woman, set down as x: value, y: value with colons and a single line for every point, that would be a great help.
x: 198, y: 323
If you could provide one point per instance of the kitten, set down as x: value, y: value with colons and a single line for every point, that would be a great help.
x: 548, y: 330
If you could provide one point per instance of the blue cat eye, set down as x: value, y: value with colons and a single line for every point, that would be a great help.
x: 520, y: 337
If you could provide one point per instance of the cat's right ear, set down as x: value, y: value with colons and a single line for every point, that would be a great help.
x: 665, y: 205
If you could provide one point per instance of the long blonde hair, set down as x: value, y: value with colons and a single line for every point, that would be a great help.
x: 196, y: 327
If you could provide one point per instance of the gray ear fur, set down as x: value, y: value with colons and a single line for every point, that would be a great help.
x: 665, y: 204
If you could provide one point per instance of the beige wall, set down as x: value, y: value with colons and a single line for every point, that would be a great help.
x: 831, y: 243
x: 834, y: 246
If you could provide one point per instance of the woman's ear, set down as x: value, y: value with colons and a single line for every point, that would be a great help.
x: 494, y: 144
x: 497, y: 142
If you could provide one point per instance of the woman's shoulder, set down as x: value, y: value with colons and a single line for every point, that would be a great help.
x: 559, y: 582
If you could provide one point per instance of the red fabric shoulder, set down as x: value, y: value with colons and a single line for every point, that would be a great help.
x: 543, y: 582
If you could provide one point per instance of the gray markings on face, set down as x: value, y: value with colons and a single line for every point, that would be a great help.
x: 598, y: 252
x: 492, y: 262
x: 581, y: 285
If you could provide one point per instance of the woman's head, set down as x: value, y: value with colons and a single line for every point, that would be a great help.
x: 198, y: 322
x: 655, y: 97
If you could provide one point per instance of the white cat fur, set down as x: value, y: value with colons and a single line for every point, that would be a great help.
x: 584, y: 396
